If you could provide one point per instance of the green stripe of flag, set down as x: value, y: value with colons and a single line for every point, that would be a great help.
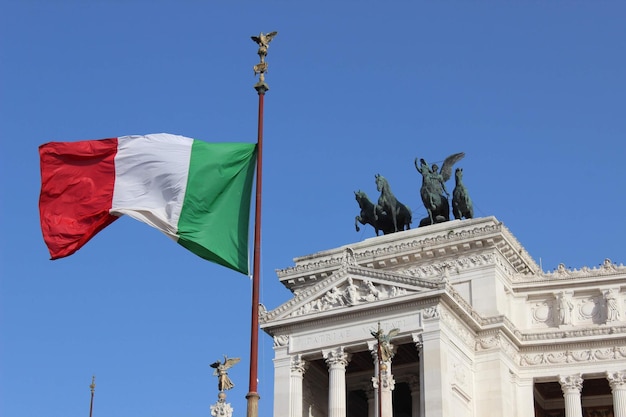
x: 215, y: 217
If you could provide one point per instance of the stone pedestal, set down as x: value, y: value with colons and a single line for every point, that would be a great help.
x: 221, y: 408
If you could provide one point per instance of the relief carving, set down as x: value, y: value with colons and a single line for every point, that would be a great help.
x: 588, y: 309
x: 540, y: 312
x: 354, y: 292
x: 612, y: 305
x: 281, y: 340
x: 577, y: 356
x: 430, y: 312
x: 565, y: 307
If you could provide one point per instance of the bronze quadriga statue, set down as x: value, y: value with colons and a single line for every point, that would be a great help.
x: 389, y: 215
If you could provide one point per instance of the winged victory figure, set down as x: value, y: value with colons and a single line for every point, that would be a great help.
x: 263, y: 40
x: 223, y: 381
x: 433, y: 191
x: 384, y: 341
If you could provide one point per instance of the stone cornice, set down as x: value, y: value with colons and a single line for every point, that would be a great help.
x: 608, y: 272
x: 426, y: 245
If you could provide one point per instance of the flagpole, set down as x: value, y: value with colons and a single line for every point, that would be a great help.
x: 93, y: 389
x: 261, y: 88
x: 380, y: 365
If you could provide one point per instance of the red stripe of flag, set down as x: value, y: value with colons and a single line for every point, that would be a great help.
x: 77, y: 180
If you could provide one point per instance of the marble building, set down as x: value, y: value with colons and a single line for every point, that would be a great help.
x: 481, y: 330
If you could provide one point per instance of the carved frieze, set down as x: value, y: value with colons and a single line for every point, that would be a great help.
x: 350, y: 293
x: 336, y: 291
x: 573, y: 356
x: 437, y: 270
x: 570, y: 310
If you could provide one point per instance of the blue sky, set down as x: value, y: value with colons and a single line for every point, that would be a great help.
x: 532, y: 92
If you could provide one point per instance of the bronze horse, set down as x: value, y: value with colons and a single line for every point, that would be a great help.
x: 371, y: 214
x: 461, y: 202
x: 399, y: 213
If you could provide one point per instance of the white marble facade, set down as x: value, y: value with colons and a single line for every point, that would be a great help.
x: 482, y: 330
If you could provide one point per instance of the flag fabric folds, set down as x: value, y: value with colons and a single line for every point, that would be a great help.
x: 195, y: 192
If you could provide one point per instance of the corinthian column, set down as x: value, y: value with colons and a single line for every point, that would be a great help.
x: 297, y: 368
x: 337, y: 360
x: 617, y: 380
x: 571, y: 386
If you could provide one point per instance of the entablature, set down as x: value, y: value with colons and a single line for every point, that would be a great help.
x: 413, y: 248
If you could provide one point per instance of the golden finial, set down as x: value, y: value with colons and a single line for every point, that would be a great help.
x: 263, y: 40
x: 93, y: 384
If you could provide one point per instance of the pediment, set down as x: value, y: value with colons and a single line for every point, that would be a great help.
x: 349, y: 286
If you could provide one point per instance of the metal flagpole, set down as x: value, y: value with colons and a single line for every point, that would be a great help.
x: 261, y: 87
x: 93, y: 389
x: 380, y: 366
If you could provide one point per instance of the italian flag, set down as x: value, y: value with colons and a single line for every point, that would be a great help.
x: 195, y: 192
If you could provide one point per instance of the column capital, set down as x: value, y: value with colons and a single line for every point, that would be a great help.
x: 336, y: 358
x: 298, y: 365
x: 571, y: 383
x: 617, y: 380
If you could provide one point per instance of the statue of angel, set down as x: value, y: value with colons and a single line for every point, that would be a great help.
x: 384, y: 342
x: 223, y: 381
